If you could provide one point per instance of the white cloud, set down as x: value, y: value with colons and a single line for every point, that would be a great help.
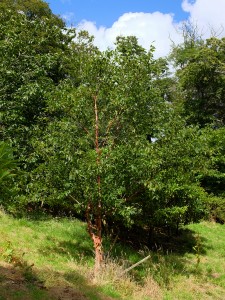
x: 150, y: 28
x: 207, y: 15
x: 160, y: 29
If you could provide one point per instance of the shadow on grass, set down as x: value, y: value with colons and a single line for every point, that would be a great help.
x: 68, y: 239
x: 71, y: 286
x: 14, y: 284
x: 70, y: 242
x: 168, y: 254
x: 73, y: 244
x: 73, y: 250
x: 78, y: 244
x: 185, y: 241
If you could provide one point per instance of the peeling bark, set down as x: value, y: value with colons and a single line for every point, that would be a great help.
x: 95, y: 223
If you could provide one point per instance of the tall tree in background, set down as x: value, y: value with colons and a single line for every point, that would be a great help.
x: 201, y: 80
x: 32, y: 9
x: 201, y: 72
x: 33, y: 61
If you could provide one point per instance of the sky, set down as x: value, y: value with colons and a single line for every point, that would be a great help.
x: 156, y: 22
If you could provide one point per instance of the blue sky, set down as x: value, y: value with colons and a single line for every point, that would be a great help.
x: 106, y: 12
x: 156, y: 22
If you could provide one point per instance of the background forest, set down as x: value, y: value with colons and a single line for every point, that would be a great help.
x: 110, y: 137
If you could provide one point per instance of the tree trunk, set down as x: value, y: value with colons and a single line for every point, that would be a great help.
x: 97, y: 240
x: 97, y: 235
x: 95, y: 232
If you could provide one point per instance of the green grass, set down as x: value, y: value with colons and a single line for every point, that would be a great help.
x: 52, y: 256
x: 203, y: 274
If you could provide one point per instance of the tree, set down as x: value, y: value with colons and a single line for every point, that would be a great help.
x: 174, y: 195
x: 200, y: 72
x: 201, y: 77
x: 97, y: 157
x: 33, y: 60
x: 32, y: 9
x: 213, y: 178
x: 98, y: 135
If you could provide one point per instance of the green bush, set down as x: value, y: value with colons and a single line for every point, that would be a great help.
x: 216, y: 209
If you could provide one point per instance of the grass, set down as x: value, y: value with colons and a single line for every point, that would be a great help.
x: 51, y: 257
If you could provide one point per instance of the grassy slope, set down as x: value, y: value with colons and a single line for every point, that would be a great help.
x: 203, y: 274
x: 52, y: 258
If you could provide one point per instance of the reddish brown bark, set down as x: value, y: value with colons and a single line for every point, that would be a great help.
x: 95, y: 230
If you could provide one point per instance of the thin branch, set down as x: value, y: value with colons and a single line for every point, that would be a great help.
x: 135, y: 265
x: 74, y: 199
x: 112, y: 245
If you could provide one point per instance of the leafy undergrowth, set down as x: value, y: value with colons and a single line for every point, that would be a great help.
x: 52, y: 258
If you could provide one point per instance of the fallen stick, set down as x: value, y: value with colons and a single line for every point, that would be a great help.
x: 135, y: 265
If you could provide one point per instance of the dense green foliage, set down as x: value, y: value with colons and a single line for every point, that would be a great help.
x: 110, y: 136
x: 7, y: 168
x: 200, y: 81
x: 201, y: 74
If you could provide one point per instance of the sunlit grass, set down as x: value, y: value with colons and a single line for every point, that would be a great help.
x: 58, y: 253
